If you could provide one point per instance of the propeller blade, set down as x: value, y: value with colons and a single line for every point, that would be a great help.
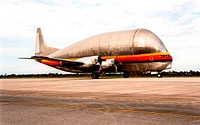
x: 99, y: 60
x: 116, y: 63
x: 115, y: 68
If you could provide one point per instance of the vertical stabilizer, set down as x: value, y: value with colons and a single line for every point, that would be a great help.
x: 41, y: 49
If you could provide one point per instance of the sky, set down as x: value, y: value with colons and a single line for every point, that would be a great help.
x: 64, y: 22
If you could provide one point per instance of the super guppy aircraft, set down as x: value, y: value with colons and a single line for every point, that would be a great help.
x: 127, y: 51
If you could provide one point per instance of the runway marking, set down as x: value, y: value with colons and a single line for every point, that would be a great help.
x: 98, y: 108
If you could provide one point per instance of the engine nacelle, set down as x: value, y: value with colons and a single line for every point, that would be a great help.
x: 108, y: 63
x: 88, y: 61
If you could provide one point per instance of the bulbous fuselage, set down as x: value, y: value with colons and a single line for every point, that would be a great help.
x: 129, y: 42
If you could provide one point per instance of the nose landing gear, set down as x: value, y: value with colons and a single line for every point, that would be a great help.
x: 160, y: 75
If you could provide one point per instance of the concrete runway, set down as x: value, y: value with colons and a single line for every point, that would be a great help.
x: 100, y: 101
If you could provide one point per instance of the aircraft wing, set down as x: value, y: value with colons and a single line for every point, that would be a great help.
x: 63, y: 62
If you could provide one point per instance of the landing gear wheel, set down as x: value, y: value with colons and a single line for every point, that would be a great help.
x: 160, y: 75
x: 95, y: 75
x: 126, y: 74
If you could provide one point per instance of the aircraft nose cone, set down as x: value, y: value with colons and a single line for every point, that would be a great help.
x: 145, y: 41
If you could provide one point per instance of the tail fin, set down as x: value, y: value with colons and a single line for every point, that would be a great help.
x: 41, y: 49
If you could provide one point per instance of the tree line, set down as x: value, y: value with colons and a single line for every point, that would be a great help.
x: 56, y: 75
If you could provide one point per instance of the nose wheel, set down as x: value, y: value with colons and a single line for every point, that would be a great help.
x: 160, y: 75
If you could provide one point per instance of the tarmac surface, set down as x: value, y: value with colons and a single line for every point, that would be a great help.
x: 78, y: 101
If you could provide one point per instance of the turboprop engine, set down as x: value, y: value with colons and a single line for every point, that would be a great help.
x: 88, y: 61
x: 108, y: 64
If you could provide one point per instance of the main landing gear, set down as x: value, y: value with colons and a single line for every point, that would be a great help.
x: 95, y: 75
x: 126, y: 74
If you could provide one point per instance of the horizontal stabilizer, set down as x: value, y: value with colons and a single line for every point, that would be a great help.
x: 24, y: 58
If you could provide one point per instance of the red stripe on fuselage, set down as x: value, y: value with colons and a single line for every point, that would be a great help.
x: 142, y: 58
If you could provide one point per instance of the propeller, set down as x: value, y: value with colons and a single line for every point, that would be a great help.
x: 99, y: 60
x: 116, y: 63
